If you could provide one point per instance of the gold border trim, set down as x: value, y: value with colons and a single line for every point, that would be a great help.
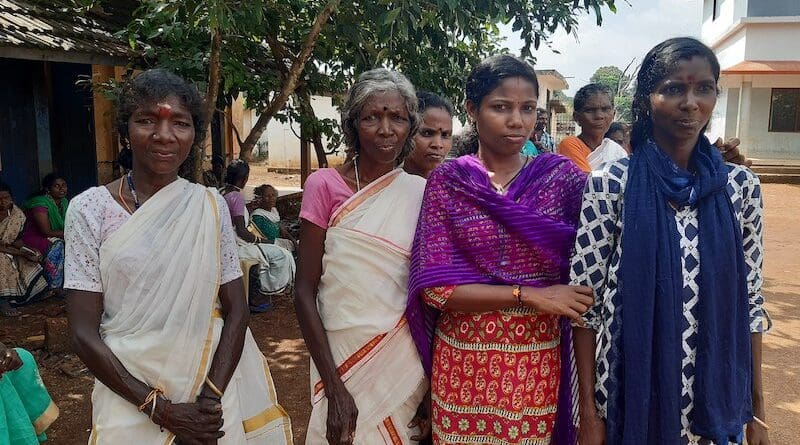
x: 359, y: 197
x: 506, y: 414
x: 264, y: 418
x: 502, y: 347
x: 491, y: 440
x: 46, y: 419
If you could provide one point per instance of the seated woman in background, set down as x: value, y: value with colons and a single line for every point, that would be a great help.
x: 265, y: 222
x: 44, y: 228
x: 26, y: 410
x: 434, y: 139
x: 276, y: 264
x: 21, y: 276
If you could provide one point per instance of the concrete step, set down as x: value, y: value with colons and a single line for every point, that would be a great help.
x: 779, y: 178
x: 776, y: 169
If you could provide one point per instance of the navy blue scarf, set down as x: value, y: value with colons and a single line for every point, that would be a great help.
x: 647, y: 407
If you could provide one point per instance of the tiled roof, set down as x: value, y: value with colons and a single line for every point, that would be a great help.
x: 50, y: 30
x: 765, y: 67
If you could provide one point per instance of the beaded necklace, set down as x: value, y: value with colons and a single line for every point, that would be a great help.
x: 133, y: 190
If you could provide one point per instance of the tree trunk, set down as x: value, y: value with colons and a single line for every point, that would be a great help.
x: 319, y: 149
x: 210, y: 101
x: 314, y: 135
x: 290, y: 83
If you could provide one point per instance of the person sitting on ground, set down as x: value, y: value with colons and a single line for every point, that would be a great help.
x: 265, y: 222
x: 21, y: 277
x: 276, y: 265
x: 26, y: 409
x: 434, y: 139
x: 213, y: 177
x: 44, y: 228
x: 594, y: 111
x: 618, y: 133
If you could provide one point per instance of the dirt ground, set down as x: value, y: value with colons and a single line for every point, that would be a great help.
x: 260, y: 175
x: 280, y: 340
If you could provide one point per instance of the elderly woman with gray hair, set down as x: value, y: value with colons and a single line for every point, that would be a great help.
x: 367, y: 382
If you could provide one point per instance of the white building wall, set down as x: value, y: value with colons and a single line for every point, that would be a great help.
x: 717, y: 124
x: 731, y: 11
x: 283, y: 144
x: 752, y: 95
x: 773, y: 41
x: 732, y: 50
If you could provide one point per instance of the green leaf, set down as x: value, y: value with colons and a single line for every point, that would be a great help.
x: 392, y: 16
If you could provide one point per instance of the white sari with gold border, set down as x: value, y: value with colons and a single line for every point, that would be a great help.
x: 161, y: 275
x: 361, y: 301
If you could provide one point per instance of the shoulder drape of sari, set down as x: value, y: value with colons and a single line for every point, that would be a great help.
x: 11, y: 227
x: 26, y: 408
x: 55, y: 213
x: 20, y: 279
x: 265, y: 223
x: 162, y: 320
x: 575, y: 149
x: 362, y: 312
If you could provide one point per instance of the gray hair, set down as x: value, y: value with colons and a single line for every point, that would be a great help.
x: 378, y: 80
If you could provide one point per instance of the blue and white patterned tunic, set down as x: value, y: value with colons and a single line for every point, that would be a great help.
x: 596, y: 264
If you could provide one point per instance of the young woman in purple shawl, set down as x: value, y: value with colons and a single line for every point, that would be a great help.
x: 671, y: 242
x: 492, y: 246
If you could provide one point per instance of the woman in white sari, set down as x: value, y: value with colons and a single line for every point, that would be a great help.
x: 357, y: 226
x: 156, y: 302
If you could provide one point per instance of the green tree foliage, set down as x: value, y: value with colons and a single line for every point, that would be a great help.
x: 619, y: 82
x: 280, y: 52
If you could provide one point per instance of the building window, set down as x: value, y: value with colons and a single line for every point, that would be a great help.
x: 784, y: 114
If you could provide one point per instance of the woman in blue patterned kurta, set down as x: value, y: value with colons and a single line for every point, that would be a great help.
x: 690, y: 370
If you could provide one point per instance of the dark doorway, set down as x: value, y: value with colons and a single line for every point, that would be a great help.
x: 18, y: 141
x: 72, y: 127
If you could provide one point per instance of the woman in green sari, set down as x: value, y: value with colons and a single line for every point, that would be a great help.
x: 26, y: 409
x: 44, y: 228
x: 265, y: 221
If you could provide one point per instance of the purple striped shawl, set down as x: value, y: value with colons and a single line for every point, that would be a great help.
x: 467, y: 233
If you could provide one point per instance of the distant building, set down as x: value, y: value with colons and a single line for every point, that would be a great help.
x: 551, y: 81
x: 758, y: 46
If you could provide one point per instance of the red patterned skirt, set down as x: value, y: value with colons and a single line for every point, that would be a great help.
x: 495, y: 377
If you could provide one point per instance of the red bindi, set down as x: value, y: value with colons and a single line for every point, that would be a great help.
x: 164, y: 111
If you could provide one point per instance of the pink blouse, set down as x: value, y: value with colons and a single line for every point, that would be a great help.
x: 324, y: 192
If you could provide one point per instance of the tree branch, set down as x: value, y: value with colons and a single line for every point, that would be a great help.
x: 210, y: 101
x: 290, y: 83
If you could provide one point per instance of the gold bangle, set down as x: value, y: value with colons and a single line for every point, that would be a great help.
x: 214, y: 388
x: 153, y: 408
x: 151, y: 396
x: 761, y: 422
x: 516, y: 291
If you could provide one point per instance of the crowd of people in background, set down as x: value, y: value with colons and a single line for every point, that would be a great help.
x: 472, y: 300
